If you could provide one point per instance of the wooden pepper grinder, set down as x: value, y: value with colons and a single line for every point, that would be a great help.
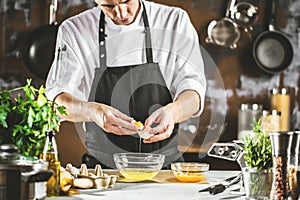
x: 280, y: 101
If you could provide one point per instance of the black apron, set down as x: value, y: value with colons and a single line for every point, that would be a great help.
x: 136, y: 91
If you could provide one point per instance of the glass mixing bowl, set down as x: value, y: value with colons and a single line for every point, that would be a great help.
x: 189, y: 172
x: 139, y: 166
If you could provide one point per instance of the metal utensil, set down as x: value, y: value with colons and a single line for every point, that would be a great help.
x: 39, y: 50
x: 218, y: 188
x: 272, y: 50
x: 228, y: 151
x: 224, y: 32
x: 245, y: 15
x: 21, y: 177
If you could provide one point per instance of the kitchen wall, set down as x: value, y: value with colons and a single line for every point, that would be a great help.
x: 232, y: 74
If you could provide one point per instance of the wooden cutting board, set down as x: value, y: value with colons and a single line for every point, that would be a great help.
x: 163, y: 176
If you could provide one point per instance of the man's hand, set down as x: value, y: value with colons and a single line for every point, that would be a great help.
x: 108, y: 118
x: 112, y: 120
x: 187, y: 104
x: 165, y: 119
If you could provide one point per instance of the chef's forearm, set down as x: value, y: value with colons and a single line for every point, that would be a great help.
x: 185, y: 106
x: 77, y: 110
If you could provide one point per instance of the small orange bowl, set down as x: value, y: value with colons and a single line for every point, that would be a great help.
x: 189, y: 172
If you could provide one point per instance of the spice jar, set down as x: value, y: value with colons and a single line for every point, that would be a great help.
x: 247, y: 114
x: 280, y: 101
x: 294, y: 166
x: 270, y: 120
x: 281, y: 150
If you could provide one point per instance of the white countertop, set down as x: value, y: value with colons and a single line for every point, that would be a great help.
x: 159, y: 191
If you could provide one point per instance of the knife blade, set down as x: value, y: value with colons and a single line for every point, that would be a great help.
x: 218, y: 188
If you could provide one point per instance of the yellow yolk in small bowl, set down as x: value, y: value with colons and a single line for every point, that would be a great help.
x: 187, y: 177
x: 189, y: 172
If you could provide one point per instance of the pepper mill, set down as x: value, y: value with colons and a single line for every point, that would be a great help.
x: 294, y: 166
x: 281, y: 150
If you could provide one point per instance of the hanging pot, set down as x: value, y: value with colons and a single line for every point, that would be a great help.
x: 40, y: 46
x: 224, y: 32
x: 272, y: 50
x: 21, y: 178
x: 245, y: 15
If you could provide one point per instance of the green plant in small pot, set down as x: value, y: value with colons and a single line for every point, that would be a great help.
x: 258, y: 157
x: 25, y: 117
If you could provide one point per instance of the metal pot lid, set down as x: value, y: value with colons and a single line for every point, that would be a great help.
x: 11, y: 160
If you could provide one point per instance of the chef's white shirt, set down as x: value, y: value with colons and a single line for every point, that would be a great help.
x: 174, y: 41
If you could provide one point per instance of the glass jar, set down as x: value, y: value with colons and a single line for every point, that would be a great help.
x: 281, y: 150
x: 270, y: 120
x: 247, y: 114
x: 257, y: 183
x: 280, y: 101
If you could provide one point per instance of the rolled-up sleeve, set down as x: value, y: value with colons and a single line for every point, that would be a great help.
x: 189, y: 66
x: 65, y: 74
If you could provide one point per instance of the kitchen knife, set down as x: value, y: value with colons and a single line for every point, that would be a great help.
x: 218, y: 188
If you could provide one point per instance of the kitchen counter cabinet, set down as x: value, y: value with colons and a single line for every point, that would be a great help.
x: 159, y: 191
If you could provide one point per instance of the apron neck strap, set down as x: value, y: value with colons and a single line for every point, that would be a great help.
x: 102, y: 36
x: 148, y: 36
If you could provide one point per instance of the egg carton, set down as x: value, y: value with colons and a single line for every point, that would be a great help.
x: 90, y: 178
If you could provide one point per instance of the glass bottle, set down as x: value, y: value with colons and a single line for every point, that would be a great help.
x: 50, y: 154
x: 281, y: 150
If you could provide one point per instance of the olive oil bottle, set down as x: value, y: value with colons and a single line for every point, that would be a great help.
x: 50, y: 154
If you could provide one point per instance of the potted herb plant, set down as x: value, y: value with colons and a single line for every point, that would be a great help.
x: 25, y: 116
x: 258, y: 157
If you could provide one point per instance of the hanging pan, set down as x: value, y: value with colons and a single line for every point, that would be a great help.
x: 40, y: 46
x: 272, y: 50
x: 224, y: 32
